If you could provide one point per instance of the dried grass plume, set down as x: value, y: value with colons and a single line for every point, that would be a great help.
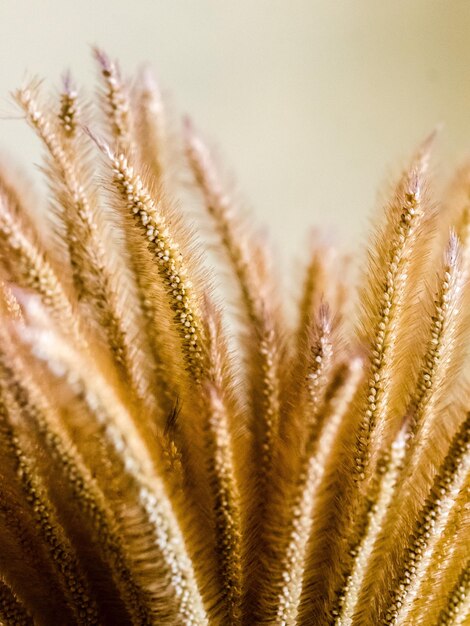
x: 175, y: 448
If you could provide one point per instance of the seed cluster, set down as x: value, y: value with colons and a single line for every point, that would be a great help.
x: 457, y: 606
x: 68, y: 111
x: 170, y: 262
x: 61, y: 552
x: 384, y: 341
x: 448, y: 482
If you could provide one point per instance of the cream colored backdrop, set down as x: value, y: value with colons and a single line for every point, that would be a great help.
x: 312, y: 102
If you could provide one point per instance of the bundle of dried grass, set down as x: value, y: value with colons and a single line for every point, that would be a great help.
x: 167, y: 462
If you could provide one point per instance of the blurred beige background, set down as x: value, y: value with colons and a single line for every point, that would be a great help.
x: 312, y: 102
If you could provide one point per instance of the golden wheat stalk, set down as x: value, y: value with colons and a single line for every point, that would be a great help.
x: 163, y: 465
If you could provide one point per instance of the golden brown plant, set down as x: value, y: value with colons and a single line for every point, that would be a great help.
x: 164, y: 461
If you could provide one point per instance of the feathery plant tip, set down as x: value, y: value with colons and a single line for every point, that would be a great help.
x: 175, y: 448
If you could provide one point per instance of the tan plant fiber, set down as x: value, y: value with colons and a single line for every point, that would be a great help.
x: 178, y: 448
